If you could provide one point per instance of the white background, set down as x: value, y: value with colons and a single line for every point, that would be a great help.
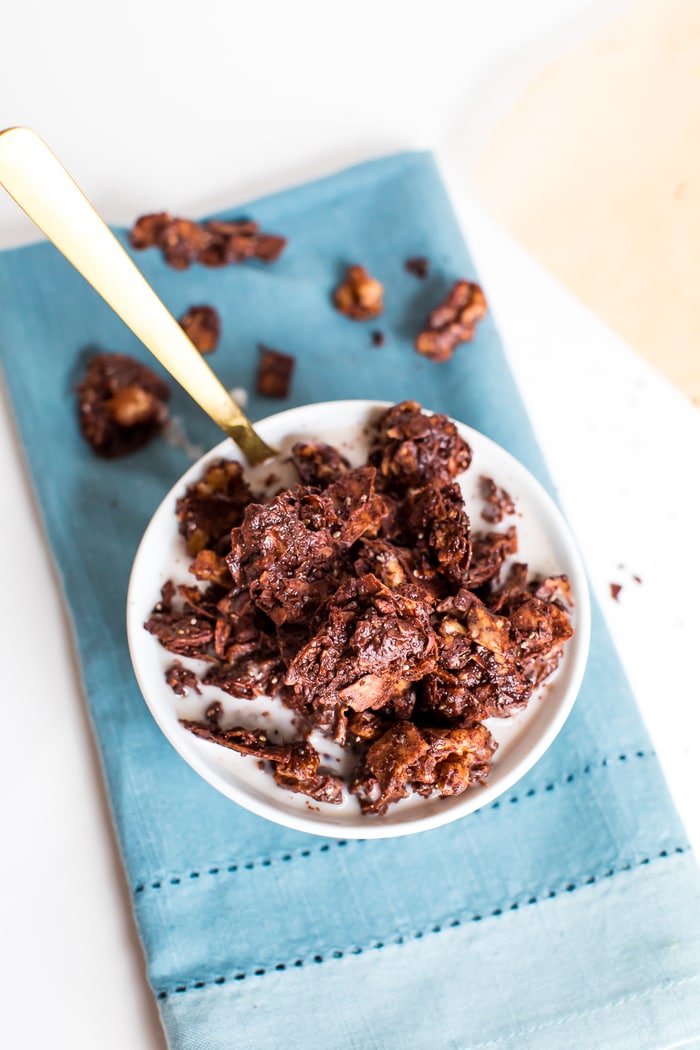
x: 189, y: 108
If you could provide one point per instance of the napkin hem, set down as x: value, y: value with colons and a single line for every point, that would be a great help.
x: 462, y: 918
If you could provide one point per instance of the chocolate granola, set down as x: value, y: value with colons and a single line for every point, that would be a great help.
x: 359, y: 296
x: 453, y: 322
x: 122, y: 404
x: 213, y: 243
x: 361, y: 599
x: 202, y: 325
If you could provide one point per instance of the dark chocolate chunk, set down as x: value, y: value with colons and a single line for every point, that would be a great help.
x: 275, y: 370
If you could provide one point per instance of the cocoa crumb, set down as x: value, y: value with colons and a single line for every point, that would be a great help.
x: 214, y: 712
x: 452, y: 322
x: 418, y: 266
x: 202, y: 325
x: 615, y: 589
x: 360, y: 296
x: 378, y: 339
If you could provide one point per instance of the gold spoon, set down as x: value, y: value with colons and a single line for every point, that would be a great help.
x: 42, y: 187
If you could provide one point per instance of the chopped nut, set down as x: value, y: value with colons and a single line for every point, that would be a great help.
x: 202, y: 325
x: 615, y: 589
x: 359, y: 296
x: 122, y: 404
x: 275, y: 370
x: 131, y: 405
x: 452, y: 322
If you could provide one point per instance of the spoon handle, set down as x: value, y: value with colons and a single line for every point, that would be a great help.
x: 42, y: 187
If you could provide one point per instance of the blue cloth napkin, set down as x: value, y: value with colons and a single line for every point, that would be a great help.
x: 565, y: 914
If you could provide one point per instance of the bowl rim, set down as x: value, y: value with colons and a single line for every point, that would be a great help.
x: 374, y: 828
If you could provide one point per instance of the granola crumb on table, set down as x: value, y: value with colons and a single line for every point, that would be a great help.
x: 453, y: 322
x: 202, y: 325
x: 359, y: 296
x: 418, y: 265
x: 214, y: 242
x: 122, y: 404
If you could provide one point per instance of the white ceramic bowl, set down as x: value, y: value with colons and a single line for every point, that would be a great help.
x: 544, y: 543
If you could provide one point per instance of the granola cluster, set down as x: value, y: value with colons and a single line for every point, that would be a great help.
x: 452, y: 322
x: 202, y: 325
x: 362, y: 600
x: 359, y: 296
x: 122, y: 404
x: 216, y: 242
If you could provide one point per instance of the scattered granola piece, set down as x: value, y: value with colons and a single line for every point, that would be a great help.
x: 182, y: 633
x: 122, y: 404
x: 498, y: 503
x: 202, y: 325
x: 213, y: 243
x: 615, y: 589
x: 181, y: 678
x: 214, y: 712
x: 359, y: 296
x: 418, y: 266
x: 452, y: 322
x: 275, y: 371
x: 295, y: 765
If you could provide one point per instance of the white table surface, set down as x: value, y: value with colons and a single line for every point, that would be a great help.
x: 165, y: 106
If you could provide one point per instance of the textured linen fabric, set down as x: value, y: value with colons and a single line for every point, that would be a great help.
x: 566, y: 913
